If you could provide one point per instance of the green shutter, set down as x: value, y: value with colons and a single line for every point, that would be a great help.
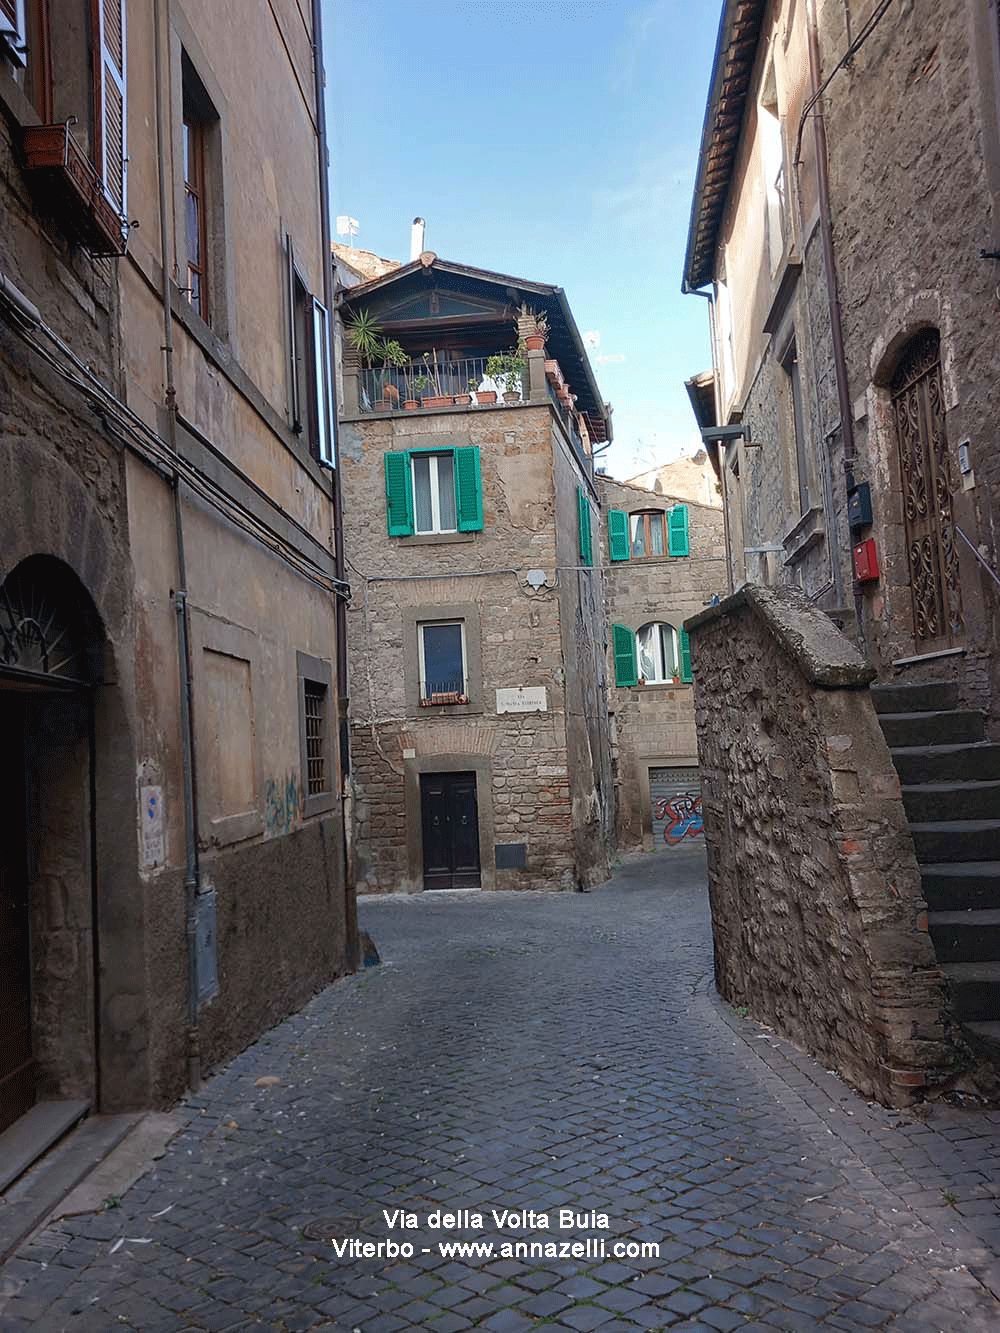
x: 679, y: 530
x: 468, y: 490
x: 583, y: 513
x: 618, y: 543
x: 398, y: 493
x: 685, y: 643
x: 623, y: 647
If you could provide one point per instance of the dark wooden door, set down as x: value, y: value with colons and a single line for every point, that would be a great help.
x: 450, y: 822
x: 17, y: 1068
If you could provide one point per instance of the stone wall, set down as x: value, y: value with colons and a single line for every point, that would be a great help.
x: 819, y: 924
x: 654, y: 724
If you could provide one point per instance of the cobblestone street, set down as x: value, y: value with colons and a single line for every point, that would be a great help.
x: 539, y: 1052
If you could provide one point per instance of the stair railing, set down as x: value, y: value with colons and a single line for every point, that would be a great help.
x: 979, y: 556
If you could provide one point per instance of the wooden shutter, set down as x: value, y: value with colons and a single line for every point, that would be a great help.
x: 623, y: 648
x: 618, y: 543
x: 583, y: 508
x: 398, y: 493
x: 323, y: 380
x: 293, y: 351
x: 13, y: 32
x: 468, y: 490
x: 685, y: 645
x: 109, y: 98
x: 679, y: 530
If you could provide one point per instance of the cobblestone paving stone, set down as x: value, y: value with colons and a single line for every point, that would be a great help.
x: 537, y: 1052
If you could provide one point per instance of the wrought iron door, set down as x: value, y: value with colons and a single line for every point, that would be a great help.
x: 925, y: 472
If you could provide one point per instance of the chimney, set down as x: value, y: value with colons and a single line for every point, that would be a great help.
x: 416, y: 239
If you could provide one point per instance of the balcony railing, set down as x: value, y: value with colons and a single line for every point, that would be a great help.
x: 431, y: 383
x: 74, y: 190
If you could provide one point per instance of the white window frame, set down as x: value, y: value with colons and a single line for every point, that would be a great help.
x: 432, y: 461
x: 441, y: 624
x: 665, y: 678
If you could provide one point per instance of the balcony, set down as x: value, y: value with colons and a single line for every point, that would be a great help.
x: 431, y: 383
x: 72, y: 189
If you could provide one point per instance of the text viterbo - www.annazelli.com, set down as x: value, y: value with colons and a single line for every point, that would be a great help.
x: 593, y: 1247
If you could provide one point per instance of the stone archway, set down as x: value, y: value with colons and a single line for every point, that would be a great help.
x: 58, y: 735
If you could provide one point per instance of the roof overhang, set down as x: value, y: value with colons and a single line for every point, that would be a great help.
x: 701, y: 392
x: 735, y: 52
x: 564, y: 341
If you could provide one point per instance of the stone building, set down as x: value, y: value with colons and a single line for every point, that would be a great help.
x: 853, y: 265
x: 479, y: 722
x: 845, y: 223
x: 171, y: 881
x: 664, y: 560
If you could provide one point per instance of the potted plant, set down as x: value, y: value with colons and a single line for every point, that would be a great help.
x: 437, y: 398
x: 394, y: 358
x: 532, y: 328
x: 506, y: 368
x: 420, y: 384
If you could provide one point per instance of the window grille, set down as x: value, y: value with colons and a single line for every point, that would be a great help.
x: 315, y: 715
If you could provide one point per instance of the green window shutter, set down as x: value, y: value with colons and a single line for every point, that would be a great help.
x: 583, y: 512
x: 623, y: 647
x: 618, y: 543
x: 398, y: 493
x: 468, y: 490
x: 679, y: 544
x: 685, y: 644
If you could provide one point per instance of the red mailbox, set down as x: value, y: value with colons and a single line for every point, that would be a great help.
x: 866, y: 561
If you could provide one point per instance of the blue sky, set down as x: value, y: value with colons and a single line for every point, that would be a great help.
x: 549, y: 139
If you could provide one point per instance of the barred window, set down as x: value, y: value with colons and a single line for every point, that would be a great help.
x: 316, y: 731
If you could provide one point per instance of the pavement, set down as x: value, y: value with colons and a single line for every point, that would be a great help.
x: 556, y: 1058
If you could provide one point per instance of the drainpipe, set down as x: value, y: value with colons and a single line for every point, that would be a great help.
x: 833, y: 293
x: 192, y: 874
x: 339, y: 558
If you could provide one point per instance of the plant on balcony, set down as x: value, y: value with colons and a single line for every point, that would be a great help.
x: 437, y: 399
x: 532, y: 328
x: 393, y: 358
x: 365, y: 336
x: 507, y: 368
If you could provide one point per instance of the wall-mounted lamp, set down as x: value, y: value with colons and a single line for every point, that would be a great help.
x: 740, y: 431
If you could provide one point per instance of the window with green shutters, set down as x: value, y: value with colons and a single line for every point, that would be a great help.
x: 685, y: 646
x: 433, y: 491
x: 623, y: 648
x: 677, y: 525
x: 583, y: 513
x: 618, y: 534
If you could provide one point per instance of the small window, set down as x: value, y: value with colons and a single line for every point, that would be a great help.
x: 434, y: 507
x: 796, y: 421
x: 310, y: 380
x: 659, y: 653
x: 443, y: 669
x: 646, y: 530
x: 317, y: 775
x: 199, y: 237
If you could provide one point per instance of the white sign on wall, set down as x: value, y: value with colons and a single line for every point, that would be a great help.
x: 154, y: 851
x: 525, y: 699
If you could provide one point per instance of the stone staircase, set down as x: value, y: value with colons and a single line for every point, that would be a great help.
x: 950, y: 776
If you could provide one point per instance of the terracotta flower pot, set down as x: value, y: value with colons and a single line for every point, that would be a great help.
x: 439, y: 400
x: 410, y: 404
x: 534, y: 342
x: 511, y: 398
x: 486, y: 397
x: 463, y: 399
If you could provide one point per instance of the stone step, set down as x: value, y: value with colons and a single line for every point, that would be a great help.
x: 947, y: 763
x: 958, y: 886
x: 966, y: 937
x: 929, y: 697
x: 950, y: 727
x: 975, y: 990
x: 952, y: 800
x: 985, y: 1037
x: 956, y: 840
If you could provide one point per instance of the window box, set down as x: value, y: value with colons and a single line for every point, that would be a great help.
x: 73, y: 189
x: 444, y: 697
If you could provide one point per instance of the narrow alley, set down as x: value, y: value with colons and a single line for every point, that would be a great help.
x: 535, y: 1053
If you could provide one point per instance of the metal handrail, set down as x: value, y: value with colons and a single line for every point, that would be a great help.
x: 979, y: 556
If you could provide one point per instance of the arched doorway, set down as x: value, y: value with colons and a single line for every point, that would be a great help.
x: 50, y: 659
x: 925, y: 475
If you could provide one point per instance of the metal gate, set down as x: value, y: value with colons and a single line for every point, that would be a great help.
x: 675, y: 797
x: 925, y: 471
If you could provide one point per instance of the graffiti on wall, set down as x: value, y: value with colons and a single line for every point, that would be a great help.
x: 682, y: 816
x: 282, y: 804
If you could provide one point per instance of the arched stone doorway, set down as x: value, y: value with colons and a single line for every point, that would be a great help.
x: 51, y: 649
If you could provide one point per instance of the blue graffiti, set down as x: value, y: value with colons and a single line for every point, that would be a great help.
x: 683, y: 815
x: 282, y: 808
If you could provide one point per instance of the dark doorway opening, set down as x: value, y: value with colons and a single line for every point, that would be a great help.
x: 17, y: 1064
x: 450, y: 823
